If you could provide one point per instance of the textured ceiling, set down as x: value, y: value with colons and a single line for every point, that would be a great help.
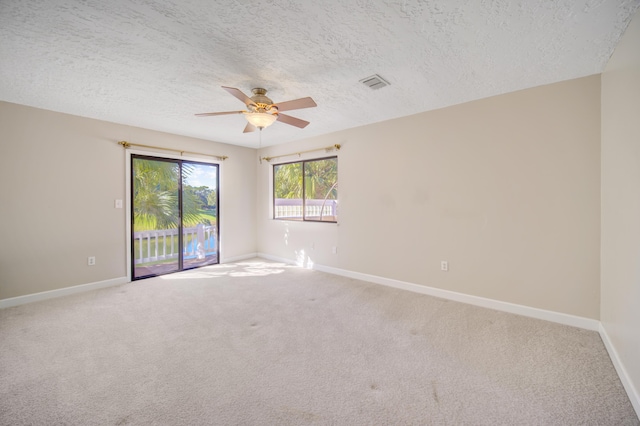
x: 155, y: 63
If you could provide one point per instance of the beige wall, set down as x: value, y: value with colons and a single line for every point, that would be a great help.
x: 506, y: 189
x: 620, y: 312
x: 59, y: 177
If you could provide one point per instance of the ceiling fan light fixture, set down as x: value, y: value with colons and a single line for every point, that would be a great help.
x: 260, y: 119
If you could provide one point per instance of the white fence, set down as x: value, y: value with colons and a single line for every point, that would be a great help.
x: 292, y: 208
x: 156, y: 245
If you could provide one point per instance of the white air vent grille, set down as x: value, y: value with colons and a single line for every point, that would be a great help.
x: 374, y: 82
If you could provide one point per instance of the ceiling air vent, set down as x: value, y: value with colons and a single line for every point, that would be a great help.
x: 374, y: 82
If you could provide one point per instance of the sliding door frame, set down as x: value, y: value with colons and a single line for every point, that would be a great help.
x: 128, y: 194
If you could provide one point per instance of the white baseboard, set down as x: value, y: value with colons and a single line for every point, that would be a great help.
x: 36, y: 297
x: 632, y: 392
x: 21, y: 300
x: 278, y: 259
x: 238, y: 258
x: 527, y: 311
x: 566, y: 319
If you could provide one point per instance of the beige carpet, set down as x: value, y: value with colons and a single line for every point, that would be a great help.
x: 261, y: 343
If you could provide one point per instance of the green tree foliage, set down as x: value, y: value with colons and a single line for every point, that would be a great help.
x: 320, y: 179
x: 155, y: 197
x: 288, y: 180
x: 212, y: 200
x: 205, y: 195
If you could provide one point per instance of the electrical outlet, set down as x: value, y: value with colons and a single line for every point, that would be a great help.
x: 444, y: 265
x: 91, y: 260
x: 118, y: 204
x: 334, y: 250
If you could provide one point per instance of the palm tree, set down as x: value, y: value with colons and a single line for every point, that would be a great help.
x: 155, y: 196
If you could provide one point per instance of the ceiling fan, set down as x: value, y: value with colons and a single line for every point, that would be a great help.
x: 262, y: 112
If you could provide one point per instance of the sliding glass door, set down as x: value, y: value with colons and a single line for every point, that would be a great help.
x: 174, y: 215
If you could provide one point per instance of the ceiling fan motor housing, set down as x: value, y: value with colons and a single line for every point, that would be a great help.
x: 263, y: 103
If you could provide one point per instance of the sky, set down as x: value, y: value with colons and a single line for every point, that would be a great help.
x: 203, y: 175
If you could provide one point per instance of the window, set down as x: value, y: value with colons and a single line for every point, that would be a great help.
x: 306, y: 190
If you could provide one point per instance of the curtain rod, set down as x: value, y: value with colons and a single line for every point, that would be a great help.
x: 126, y: 144
x: 326, y: 149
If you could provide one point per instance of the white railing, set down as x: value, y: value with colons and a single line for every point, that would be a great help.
x: 292, y: 208
x: 198, y: 242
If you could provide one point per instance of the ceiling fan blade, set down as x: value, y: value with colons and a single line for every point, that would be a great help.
x: 209, y: 114
x: 238, y: 94
x: 292, y: 121
x: 296, y: 104
x: 249, y: 128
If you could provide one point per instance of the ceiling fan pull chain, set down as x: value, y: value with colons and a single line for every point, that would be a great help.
x: 260, y: 145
